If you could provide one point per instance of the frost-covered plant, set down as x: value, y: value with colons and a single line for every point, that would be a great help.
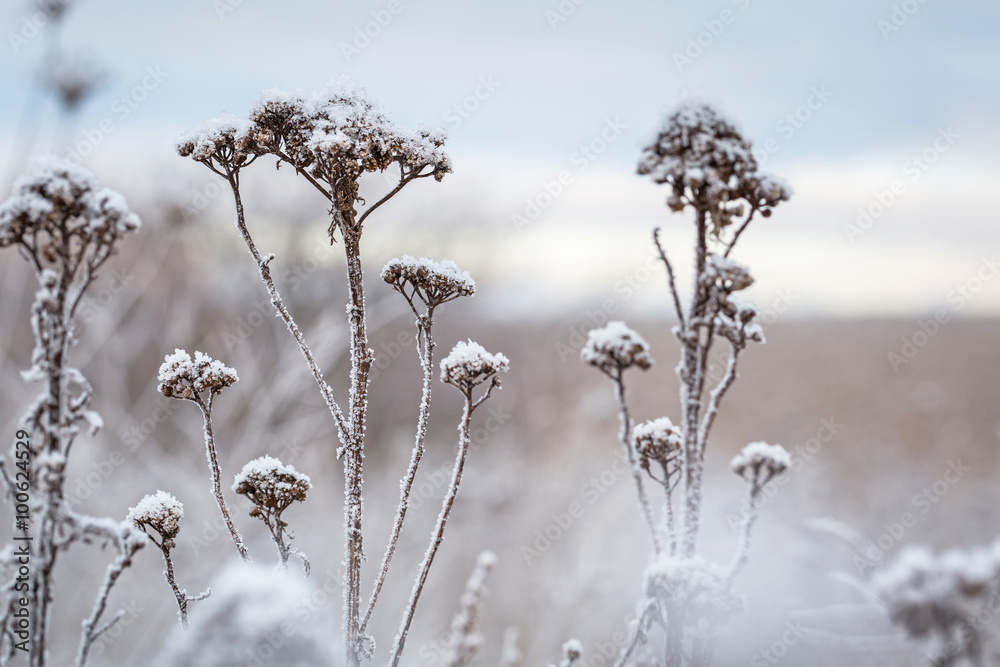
x: 945, y: 602
x: 272, y: 487
x: 710, y: 169
x: 332, y: 138
x: 199, y: 380
x: 66, y: 226
x: 162, y: 513
x: 465, y: 640
x: 467, y: 366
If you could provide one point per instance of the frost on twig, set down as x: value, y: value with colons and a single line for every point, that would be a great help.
x: 419, y: 281
x: 465, y: 640
x: 272, y: 487
x: 572, y: 651
x: 66, y: 226
x: 467, y: 366
x: 331, y: 137
x: 162, y: 513
x: 199, y: 380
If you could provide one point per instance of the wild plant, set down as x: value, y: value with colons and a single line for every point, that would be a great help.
x: 66, y: 226
x: 710, y: 170
x: 332, y: 138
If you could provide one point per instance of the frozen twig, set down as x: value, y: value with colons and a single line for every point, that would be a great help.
x: 465, y: 640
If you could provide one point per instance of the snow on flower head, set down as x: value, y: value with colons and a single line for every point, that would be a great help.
x: 159, y: 511
x: 469, y: 364
x: 726, y: 275
x: 925, y: 593
x: 656, y: 440
x: 615, y: 346
x: 271, y: 485
x: 341, y: 130
x: 708, y: 164
x: 758, y: 462
x: 183, y: 377
x: 225, y: 136
x: 432, y: 282
x: 63, y: 202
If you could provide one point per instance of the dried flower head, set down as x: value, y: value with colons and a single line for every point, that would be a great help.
x: 271, y: 485
x: 735, y: 321
x: 725, y: 275
x: 615, y: 347
x: 656, y: 440
x: 432, y: 282
x: 159, y: 511
x: 758, y: 462
x: 57, y: 210
x: 340, y: 132
x: 709, y: 165
x: 928, y: 594
x: 184, y: 378
x: 469, y: 364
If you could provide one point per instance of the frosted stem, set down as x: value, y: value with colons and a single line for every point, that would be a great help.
x: 425, y: 348
x: 213, y: 464
x: 625, y: 437
x: 437, y: 535
x: 127, y: 549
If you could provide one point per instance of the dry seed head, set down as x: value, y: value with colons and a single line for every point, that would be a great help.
x: 159, y: 511
x: 271, y: 485
x: 184, y: 378
x: 469, y: 364
x: 433, y: 282
x: 615, y: 346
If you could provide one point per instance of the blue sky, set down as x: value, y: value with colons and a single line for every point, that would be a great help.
x: 893, y: 75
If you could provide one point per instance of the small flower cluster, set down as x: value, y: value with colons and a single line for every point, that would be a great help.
x: 271, y: 485
x: 225, y: 135
x: 616, y: 347
x: 735, y: 322
x: 432, y: 282
x: 709, y: 165
x: 63, y: 206
x: 758, y: 462
x: 469, y: 364
x: 185, y: 378
x: 159, y: 511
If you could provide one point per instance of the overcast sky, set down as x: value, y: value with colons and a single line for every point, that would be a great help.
x: 535, y: 81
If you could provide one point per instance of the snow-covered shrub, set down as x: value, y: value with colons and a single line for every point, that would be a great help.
x: 710, y: 170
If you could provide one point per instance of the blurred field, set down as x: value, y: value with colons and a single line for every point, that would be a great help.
x: 552, y: 432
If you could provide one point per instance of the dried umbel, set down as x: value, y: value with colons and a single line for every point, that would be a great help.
x: 159, y: 511
x: 709, y: 165
x: 469, y: 365
x: 60, y: 215
x: 942, y: 599
x: 615, y: 347
x: 433, y: 283
x: 657, y: 441
x: 225, y: 139
x: 759, y: 462
x: 271, y: 485
x: 182, y: 377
